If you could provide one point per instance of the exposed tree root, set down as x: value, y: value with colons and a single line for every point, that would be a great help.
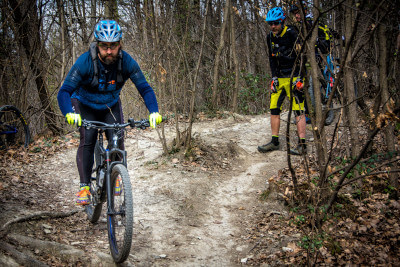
x: 20, y: 257
x: 36, y: 216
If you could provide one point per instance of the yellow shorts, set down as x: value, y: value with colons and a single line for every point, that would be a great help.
x: 283, y: 91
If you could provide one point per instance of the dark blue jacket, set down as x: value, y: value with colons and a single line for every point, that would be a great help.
x: 77, y: 84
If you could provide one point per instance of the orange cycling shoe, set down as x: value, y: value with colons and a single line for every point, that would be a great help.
x: 83, y: 196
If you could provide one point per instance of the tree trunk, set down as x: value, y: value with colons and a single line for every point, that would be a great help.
x: 349, y: 90
x: 194, y: 89
x: 27, y: 30
x: 235, y: 61
x: 5, y: 83
x: 111, y: 9
x: 214, y: 100
x: 247, y: 46
x: 144, y: 28
x: 64, y: 37
x: 385, y: 102
x: 319, y: 133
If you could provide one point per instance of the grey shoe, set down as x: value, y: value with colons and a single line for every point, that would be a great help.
x: 299, y: 150
x: 267, y: 147
x: 330, y: 118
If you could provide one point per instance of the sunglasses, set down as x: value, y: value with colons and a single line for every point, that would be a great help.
x: 277, y: 22
x: 105, y: 46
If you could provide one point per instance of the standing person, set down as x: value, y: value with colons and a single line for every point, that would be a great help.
x: 322, y: 47
x: 324, y: 32
x: 282, y: 56
x: 91, y: 91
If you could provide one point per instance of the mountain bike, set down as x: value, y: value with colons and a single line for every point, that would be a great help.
x: 14, y: 130
x: 328, y: 73
x: 112, y: 185
x: 326, y: 88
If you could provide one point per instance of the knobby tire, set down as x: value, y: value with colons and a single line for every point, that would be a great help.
x: 93, y: 210
x: 120, y: 224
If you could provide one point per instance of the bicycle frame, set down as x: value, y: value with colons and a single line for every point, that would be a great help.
x: 329, y: 69
x: 111, y: 163
x: 109, y: 155
x: 107, y: 163
x: 329, y: 72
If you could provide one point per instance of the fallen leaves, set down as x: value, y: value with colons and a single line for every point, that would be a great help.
x: 362, y: 229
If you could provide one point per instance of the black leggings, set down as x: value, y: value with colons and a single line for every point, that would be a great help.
x: 85, y: 154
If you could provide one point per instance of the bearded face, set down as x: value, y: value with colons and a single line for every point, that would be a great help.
x: 108, y: 52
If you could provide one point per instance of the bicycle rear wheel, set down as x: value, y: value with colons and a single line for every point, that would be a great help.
x: 331, y: 115
x: 93, y: 210
x: 120, y: 220
x: 14, y: 130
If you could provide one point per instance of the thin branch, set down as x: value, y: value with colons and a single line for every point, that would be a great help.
x: 364, y: 160
x: 349, y: 168
x: 192, y: 100
x: 369, y: 174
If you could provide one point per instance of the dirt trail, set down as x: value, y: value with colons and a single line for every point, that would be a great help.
x: 185, y: 214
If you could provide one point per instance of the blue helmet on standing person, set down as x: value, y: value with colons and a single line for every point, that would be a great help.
x: 107, y: 31
x: 276, y: 14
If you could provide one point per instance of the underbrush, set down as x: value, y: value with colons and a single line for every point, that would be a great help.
x: 362, y: 226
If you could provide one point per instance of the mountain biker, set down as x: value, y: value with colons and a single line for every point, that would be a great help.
x: 91, y: 91
x: 281, y: 42
x: 322, y: 47
x: 324, y: 32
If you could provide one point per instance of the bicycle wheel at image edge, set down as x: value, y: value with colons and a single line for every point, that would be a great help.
x: 93, y: 210
x: 14, y: 129
x: 120, y: 223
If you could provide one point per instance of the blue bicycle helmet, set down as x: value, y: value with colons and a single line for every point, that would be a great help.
x: 107, y: 31
x: 275, y: 14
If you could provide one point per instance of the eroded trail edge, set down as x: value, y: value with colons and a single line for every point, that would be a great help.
x: 187, y: 213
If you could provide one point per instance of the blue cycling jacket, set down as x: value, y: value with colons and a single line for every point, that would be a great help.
x: 77, y: 84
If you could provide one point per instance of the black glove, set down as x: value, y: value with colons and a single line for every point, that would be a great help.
x: 274, y: 85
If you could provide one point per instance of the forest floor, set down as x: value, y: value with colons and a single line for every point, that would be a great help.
x: 210, y: 209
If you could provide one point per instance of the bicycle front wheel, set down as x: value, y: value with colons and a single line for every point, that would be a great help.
x: 120, y: 217
x: 14, y: 130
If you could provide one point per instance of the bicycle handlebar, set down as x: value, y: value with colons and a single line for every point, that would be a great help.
x: 142, y: 124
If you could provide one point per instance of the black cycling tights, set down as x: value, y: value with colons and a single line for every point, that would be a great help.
x: 85, y: 154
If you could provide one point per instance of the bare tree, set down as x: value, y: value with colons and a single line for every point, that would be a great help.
x: 27, y: 27
x: 235, y: 60
x: 65, y: 40
x: 194, y: 90
x: 386, y: 99
x: 111, y: 9
x: 214, y: 99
